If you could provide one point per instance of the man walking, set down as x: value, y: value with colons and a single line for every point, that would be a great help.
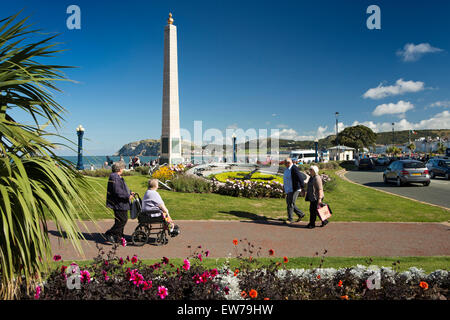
x: 293, y: 183
x: 118, y: 198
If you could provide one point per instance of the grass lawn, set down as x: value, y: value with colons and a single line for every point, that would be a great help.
x: 349, y: 202
x: 428, y: 264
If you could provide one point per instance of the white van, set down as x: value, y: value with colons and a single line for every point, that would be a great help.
x: 303, y: 156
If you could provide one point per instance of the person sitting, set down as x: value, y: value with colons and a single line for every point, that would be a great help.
x: 153, y: 200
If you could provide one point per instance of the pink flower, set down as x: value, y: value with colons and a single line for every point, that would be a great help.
x: 56, y: 257
x: 105, y: 274
x: 85, y: 276
x: 38, y: 292
x: 124, y: 242
x: 121, y: 261
x: 214, y: 272
x: 147, y: 285
x: 162, y: 292
x: 207, y: 253
x: 199, y: 257
x: 165, y: 260
x: 186, y: 265
x: 134, y: 260
x: 226, y: 290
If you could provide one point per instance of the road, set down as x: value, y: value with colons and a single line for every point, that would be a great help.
x: 438, y: 192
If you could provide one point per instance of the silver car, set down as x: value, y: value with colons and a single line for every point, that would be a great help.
x: 407, y: 171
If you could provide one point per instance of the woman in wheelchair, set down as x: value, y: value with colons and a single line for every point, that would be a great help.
x: 152, y: 201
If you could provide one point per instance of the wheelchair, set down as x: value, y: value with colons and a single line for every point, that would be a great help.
x: 152, y: 223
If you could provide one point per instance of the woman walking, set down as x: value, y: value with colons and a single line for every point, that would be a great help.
x: 315, y: 195
x: 118, y: 198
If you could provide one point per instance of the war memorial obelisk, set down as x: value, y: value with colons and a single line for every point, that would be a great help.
x: 170, y: 136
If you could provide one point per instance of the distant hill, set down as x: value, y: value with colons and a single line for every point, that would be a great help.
x: 147, y: 147
x: 150, y: 147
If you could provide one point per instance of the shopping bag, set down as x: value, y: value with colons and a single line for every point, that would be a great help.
x: 324, y: 211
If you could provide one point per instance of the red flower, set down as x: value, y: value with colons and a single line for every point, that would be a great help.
x: 285, y: 260
x: 235, y: 242
x: 63, y: 269
x: 253, y: 293
x: 344, y: 297
x: 271, y: 252
x: 134, y: 260
x: 318, y: 276
x: 423, y: 285
x: 243, y: 294
x: 340, y: 283
x: 266, y: 299
x: 236, y: 272
x: 56, y: 257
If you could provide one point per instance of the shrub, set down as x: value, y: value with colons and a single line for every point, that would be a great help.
x: 163, y: 174
x: 102, y: 173
x: 251, y: 189
x: 142, y: 170
x: 190, y: 183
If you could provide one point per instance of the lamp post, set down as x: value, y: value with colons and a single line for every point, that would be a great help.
x: 337, y: 139
x: 80, y: 133
x: 393, y: 135
x: 234, y: 148
x: 316, y: 148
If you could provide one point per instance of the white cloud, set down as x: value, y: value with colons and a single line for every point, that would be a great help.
x: 233, y: 126
x: 400, y: 87
x: 292, y: 134
x: 282, y: 126
x: 438, y: 121
x: 412, y: 52
x: 393, y: 108
x: 443, y: 104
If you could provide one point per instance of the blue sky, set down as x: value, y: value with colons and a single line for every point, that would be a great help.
x: 281, y: 64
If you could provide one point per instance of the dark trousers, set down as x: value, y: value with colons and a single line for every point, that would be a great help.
x: 120, y: 220
x: 313, y: 213
x: 291, y: 207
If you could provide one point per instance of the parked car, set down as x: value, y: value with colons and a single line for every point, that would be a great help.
x: 407, y: 171
x: 366, y: 163
x: 439, y: 167
x: 382, y: 161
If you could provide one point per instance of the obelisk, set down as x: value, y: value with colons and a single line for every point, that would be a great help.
x: 170, y: 136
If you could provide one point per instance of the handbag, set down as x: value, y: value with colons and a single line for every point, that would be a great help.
x: 324, y: 211
x: 135, y: 207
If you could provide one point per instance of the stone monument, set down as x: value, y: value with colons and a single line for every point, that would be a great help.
x: 170, y: 136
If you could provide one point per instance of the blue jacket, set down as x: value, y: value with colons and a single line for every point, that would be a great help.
x: 118, y: 194
x: 298, y: 182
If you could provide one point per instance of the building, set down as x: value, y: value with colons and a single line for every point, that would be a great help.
x: 340, y: 153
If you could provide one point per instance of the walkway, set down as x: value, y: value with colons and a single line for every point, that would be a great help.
x: 339, y: 238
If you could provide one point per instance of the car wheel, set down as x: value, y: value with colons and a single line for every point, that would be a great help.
x: 399, y: 182
x: 426, y: 184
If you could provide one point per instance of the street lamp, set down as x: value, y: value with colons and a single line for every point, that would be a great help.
x: 80, y: 133
x: 393, y: 137
x: 316, y: 148
x: 234, y: 148
x: 337, y: 139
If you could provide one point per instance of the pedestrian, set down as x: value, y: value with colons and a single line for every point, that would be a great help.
x: 293, y: 183
x: 118, y: 198
x: 315, y: 195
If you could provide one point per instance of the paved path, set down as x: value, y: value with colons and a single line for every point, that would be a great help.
x: 437, y: 193
x: 339, y: 238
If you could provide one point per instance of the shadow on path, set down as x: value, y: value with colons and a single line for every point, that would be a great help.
x: 254, y: 218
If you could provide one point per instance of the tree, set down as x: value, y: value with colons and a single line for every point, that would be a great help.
x: 35, y: 184
x: 440, y: 148
x: 393, y: 150
x: 357, y: 137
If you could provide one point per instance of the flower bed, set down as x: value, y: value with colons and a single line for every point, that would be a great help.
x: 251, y: 189
x: 109, y: 278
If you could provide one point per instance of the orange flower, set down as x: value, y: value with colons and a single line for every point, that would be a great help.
x: 285, y: 260
x: 344, y: 297
x: 236, y: 272
x: 423, y: 285
x: 266, y: 299
x: 271, y: 252
x: 340, y: 283
x: 253, y: 293
x: 243, y: 294
x: 235, y: 242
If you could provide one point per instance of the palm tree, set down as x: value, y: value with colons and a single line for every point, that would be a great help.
x: 35, y: 184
